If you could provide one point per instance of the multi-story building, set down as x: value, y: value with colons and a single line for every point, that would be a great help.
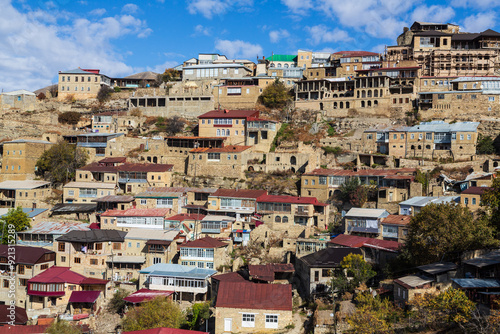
x: 237, y: 203
x: 225, y: 123
x: 44, y: 233
x: 415, y: 204
x: 81, y: 83
x: 125, y: 220
x: 471, y: 197
x: 19, y: 158
x: 28, y: 194
x: 28, y: 262
x: 214, y: 71
x: 86, y: 192
x: 395, y: 227
x: 21, y: 100
x: 364, y: 222
x: 348, y: 62
x: 230, y: 161
x: 206, y: 252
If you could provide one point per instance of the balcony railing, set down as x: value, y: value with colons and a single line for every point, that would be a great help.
x: 390, y: 235
x: 304, y: 213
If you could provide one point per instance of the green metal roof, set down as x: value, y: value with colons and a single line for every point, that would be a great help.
x: 282, y: 58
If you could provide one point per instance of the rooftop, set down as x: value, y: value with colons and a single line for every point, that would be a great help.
x: 151, y: 234
x: 291, y: 58
x: 133, y: 212
x: 177, y: 270
x: 329, y: 257
x: 32, y: 141
x: 396, y: 220
x: 368, y: 213
x: 348, y: 240
x: 265, y: 272
x: 229, y: 277
x: 421, y: 201
x: 58, y: 275
x: 28, y: 184
x: 361, y: 172
x: 93, y: 236
x: 165, y: 330
x: 225, y: 113
x: 413, y: 281
x: 475, y: 190
x: 440, y: 126
x: 239, y: 193
x: 114, y: 199
x: 49, y: 227
x: 225, y: 149
x: 488, y: 259
x: 289, y: 199
x: 246, y: 295
x: 144, y: 295
x: 475, y: 283
x: 185, y: 216
x: 206, y: 242
x: 438, y: 267
x: 91, y: 185
x: 25, y: 254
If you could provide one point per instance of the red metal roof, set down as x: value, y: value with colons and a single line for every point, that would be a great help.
x: 31, y: 329
x: 224, y: 113
x: 289, y: 199
x: 229, y: 277
x: 348, y: 240
x: 20, y: 316
x: 94, y: 226
x: 246, y: 295
x: 165, y: 330
x: 137, y: 213
x: 58, y: 275
x: 266, y: 272
x: 206, y: 242
x: 475, y: 190
x: 361, y: 172
x: 145, y: 295
x: 113, y: 160
x: 94, y: 281
x: 225, y: 149
x: 84, y: 296
x: 185, y: 216
x: 396, y: 220
x: 25, y: 254
x: 239, y: 193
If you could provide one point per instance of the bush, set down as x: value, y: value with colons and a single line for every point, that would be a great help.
x: 117, y: 89
x: 136, y: 112
x: 69, y: 117
x: 104, y: 94
x: 332, y: 150
x: 70, y: 98
x: 485, y: 145
x: 276, y: 95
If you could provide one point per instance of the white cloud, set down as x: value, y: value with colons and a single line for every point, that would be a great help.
x: 239, y: 49
x: 130, y: 8
x: 433, y: 13
x: 211, y: 8
x: 378, y: 48
x: 483, y: 4
x: 276, y: 35
x: 320, y: 34
x: 162, y: 67
x: 479, y: 22
x: 33, y: 50
x: 98, y: 12
x: 201, y: 30
x: 299, y: 7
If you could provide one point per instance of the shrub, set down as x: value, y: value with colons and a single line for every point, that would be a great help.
x: 117, y: 89
x: 104, y: 94
x: 70, y: 98
x: 332, y: 150
x: 69, y: 117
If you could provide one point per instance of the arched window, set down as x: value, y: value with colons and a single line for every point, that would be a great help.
x: 279, y: 64
x: 277, y: 219
x: 341, y: 105
x: 347, y: 105
x: 363, y: 93
x: 369, y: 94
x: 334, y: 105
x: 412, y: 147
x: 375, y: 93
x: 419, y: 147
x: 375, y: 103
x: 286, y: 66
x: 362, y: 104
x: 285, y: 219
x: 293, y: 160
x: 369, y: 103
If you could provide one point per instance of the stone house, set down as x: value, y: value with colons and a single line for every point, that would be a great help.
x: 187, y: 223
x: 414, y: 205
x: 229, y: 160
x: 351, y: 61
x: 81, y: 84
x: 394, y: 227
x: 189, y: 283
x: 279, y: 212
x: 484, y: 266
x: 21, y: 100
x: 54, y: 287
x: 268, y: 309
x: 125, y: 220
x: 86, y: 252
x: 364, y: 222
x: 471, y: 197
x: 206, y: 252
x: 95, y: 144
x: 306, y: 246
x: 215, y: 226
x: 240, y: 93
x: 114, y: 202
x: 45, y: 233
x: 28, y: 262
x: 27, y: 194
x: 238, y: 203
x: 116, y: 122
x: 226, y: 123
x: 214, y: 71
x: 276, y: 273
x: 85, y: 192
x: 180, y: 199
x: 315, y: 270
x: 19, y: 158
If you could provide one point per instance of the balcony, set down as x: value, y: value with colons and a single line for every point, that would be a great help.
x: 393, y: 235
x: 210, y: 230
x: 302, y: 213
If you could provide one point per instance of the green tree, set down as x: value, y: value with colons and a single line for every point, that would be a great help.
x: 117, y: 304
x: 58, y: 164
x: 347, y: 188
x: 197, y: 315
x: 159, y: 312
x: 62, y: 327
x: 276, y: 95
x: 171, y: 125
x: 490, y: 200
x: 485, y: 145
x: 422, y: 178
x: 69, y: 117
x: 104, y: 94
x: 15, y: 220
x: 357, y: 269
x: 440, y: 230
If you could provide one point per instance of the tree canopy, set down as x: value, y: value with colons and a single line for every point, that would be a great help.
x: 117, y: 304
x: 58, y: 164
x: 159, y: 312
x: 276, y: 95
x: 104, y: 94
x: 445, y: 231
x: 490, y: 200
x: 355, y: 271
x: 485, y: 145
x: 15, y: 219
x: 69, y: 117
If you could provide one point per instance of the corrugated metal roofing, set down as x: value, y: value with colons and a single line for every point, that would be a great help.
x: 438, y: 267
x: 145, y: 295
x: 246, y: 295
x: 114, y: 199
x: 133, y: 212
x: 27, y: 184
x: 177, y: 270
x: 29, y: 211
x: 20, y: 316
x: 58, y: 275
x: 47, y: 227
x: 440, y: 126
x: 474, y: 283
x: 469, y: 79
x: 93, y: 236
x: 63, y: 208
x: 413, y: 281
x: 20, y: 141
x: 76, y: 71
x: 126, y: 259
x: 151, y: 234
x: 216, y: 66
x: 92, y: 185
x: 265, y: 272
x: 421, y: 201
x: 355, y: 241
x: 185, y: 216
x: 24, y: 254
x: 396, y: 220
x: 84, y: 296
x: 229, y: 277
x: 485, y: 260
x: 206, y: 242
x: 289, y: 199
x: 368, y: 213
x: 329, y: 257
x: 19, y: 92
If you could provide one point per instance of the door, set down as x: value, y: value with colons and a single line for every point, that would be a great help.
x: 228, y: 322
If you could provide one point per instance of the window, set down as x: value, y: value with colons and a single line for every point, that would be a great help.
x: 44, y: 266
x: 144, y: 201
x: 425, y: 82
x: 461, y: 137
x: 20, y: 269
x: 71, y: 193
x: 491, y: 98
x: 164, y: 203
x: 248, y: 320
x: 306, y: 182
x: 213, y: 156
x: 469, y: 137
x: 441, y: 96
x: 93, y: 262
x: 313, y: 182
x: 63, y: 258
x: 428, y: 136
x: 412, y: 136
x: 271, y: 321
x: 459, y: 96
x: 77, y: 260
x: 234, y: 91
x: 61, y: 247
x: 473, y: 97
x: 473, y: 201
x: 322, y: 180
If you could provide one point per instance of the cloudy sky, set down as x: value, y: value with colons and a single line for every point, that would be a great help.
x: 39, y: 38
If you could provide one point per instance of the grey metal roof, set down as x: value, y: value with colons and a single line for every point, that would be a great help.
x: 485, y: 260
x: 440, y: 126
x: 472, y: 283
x: 19, y: 92
x: 34, y: 141
x: 92, y: 185
x: 59, y: 228
x: 421, y: 201
x: 63, y: 208
x: 151, y: 234
x: 93, y: 236
x: 27, y: 184
x: 114, y: 199
x: 469, y: 79
x: 177, y: 270
x: 76, y: 71
x: 414, y: 280
x: 438, y: 267
x: 369, y: 213
x: 100, y: 134
x: 329, y: 257
x: 215, y: 66
x: 29, y: 211
x: 127, y: 259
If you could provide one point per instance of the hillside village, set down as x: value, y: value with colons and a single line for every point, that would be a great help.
x: 287, y: 195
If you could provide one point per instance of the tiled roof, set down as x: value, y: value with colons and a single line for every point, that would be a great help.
x: 225, y: 149
x: 93, y: 236
x: 224, y: 113
x: 58, y: 275
x: 348, y: 240
x: 186, y: 216
x: 475, y: 190
x: 206, y: 242
x: 137, y: 213
x: 266, y: 272
x: 396, y: 220
x: 24, y: 254
x: 361, y: 172
x: 246, y: 295
x: 329, y: 257
x: 239, y: 193
x: 288, y: 199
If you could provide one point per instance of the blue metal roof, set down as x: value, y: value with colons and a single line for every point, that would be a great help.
x: 470, y: 283
x: 421, y: 201
x: 177, y: 270
x: 440, y: 126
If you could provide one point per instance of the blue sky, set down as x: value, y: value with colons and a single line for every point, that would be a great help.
x: 40, y: 38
